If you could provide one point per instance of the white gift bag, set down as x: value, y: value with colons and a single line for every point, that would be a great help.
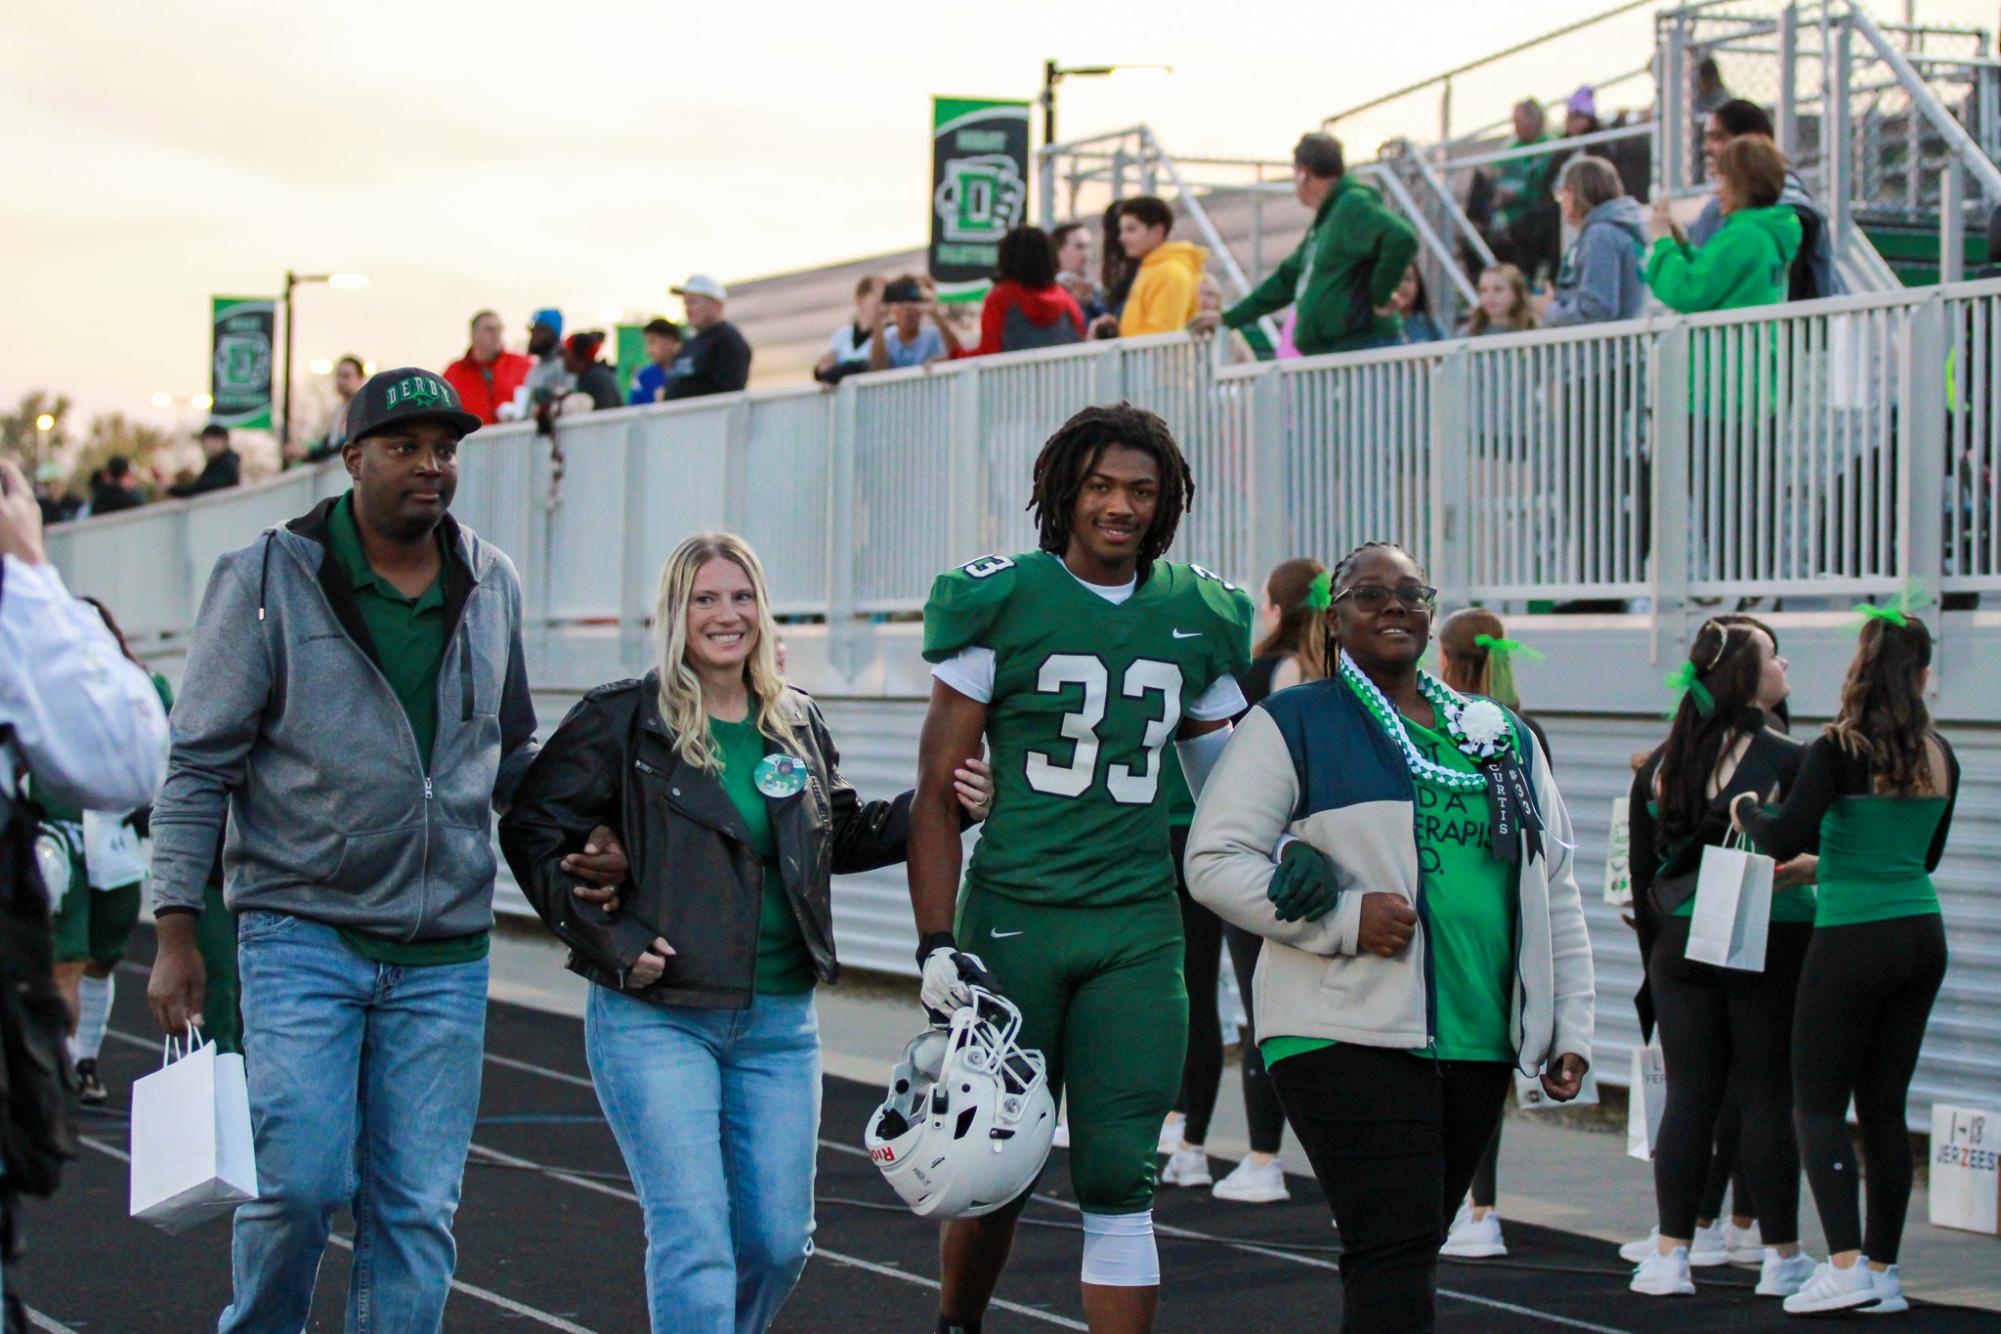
x: 112, y: 856
x: 1966, y: 1168
x: 1733, y: 909
x: 192, y: 1155
x: 1618, y: 856
x: 1530, y: 1097
x: 1646, y: 1100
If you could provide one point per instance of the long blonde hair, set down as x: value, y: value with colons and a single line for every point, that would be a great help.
x: 681, y: 705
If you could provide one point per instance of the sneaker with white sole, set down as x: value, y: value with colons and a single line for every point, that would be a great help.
x: 1186, y: 1167
x: 1473, y: 1238
x: 1832, y: 1289
x: 90, y: 1090
x: 1890, y: 1289
x: 1635, y: 1251
x: 1170, y: 1133
x: 1746, y: 1245
x: 1664, y: 1275
x: 1254, y: 1183
x: 1784, y: 1275
x: 1707, y: 1251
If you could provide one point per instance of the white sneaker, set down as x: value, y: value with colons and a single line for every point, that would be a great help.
x: 1784, y: 1275
x: 1890, y: 1289
x: 1061, y: 1139
x: 1707, y: 1250
x: 1832, y: 1289
x: 1474, y: 1239
x: 1254, y: 1183
x: 1635, y: 1251
x: 1186, y: 1167
x: 1745, y: 1244
x: 1170, y: 1133
x: 1664, y: 1275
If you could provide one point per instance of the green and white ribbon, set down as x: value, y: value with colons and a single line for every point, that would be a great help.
x: 1451, y: 707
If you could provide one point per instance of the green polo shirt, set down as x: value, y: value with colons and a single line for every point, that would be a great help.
x: 409, y: 636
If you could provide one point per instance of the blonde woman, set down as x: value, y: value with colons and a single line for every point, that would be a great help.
x: 1505, y: 305
x: 726, y: 788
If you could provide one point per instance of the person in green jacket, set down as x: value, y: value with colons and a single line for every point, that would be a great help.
x: 1344, y: 275
x: 1746, y: 262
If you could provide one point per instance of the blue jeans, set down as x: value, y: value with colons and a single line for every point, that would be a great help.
x: 364, y: 1083
x: 717, y: 1113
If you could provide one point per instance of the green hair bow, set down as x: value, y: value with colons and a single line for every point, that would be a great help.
x: 1908, y: 602
x: 1320, y: 593
x: 1685, y: 680
x: 1505, y: 648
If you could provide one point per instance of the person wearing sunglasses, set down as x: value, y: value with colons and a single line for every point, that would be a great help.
x: 1406, y: 856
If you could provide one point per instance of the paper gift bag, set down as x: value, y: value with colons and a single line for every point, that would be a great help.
x: 1733, y: 909
x: 1618, y: 856
x: 1646, y: 1100
x: 192, y: 1155
x: 1966, y: 1168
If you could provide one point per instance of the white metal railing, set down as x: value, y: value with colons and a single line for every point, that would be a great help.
x: 1829, y: 448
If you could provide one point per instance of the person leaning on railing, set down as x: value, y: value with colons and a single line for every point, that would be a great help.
x: 700, y: 1027
x: 1407, y: 858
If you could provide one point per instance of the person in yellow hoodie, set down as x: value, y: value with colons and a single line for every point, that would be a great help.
x: 1167, y: 290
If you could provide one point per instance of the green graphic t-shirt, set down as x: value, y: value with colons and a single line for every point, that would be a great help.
x: 784, y: 968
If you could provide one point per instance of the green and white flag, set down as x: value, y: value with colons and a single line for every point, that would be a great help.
x: 979, y: 189
x: 240, y: 367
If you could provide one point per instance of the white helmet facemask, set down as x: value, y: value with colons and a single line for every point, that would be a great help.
x: 968, y: 1120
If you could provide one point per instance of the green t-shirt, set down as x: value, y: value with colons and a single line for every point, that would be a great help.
x: 1471, y: 907
x: 1086, y: 697
x: 784, y: 967
x: 1872, y: 859
x: 409, y: 637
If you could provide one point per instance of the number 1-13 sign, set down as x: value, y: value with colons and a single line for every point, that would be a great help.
x: 1966, y: 1168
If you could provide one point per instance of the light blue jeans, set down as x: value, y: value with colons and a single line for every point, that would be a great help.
x: 364, y: 1084
x: 717, y: 1113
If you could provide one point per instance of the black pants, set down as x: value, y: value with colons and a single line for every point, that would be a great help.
x: 1726, y: 1171
x: 13, y: 1307
x: 1393, y: 1139
x: 1202, y: 1073
x: 1486, y: 1174
x: 1865, y: 995
x: 1722, y: 1029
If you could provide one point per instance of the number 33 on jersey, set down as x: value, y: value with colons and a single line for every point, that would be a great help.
x: 1086, y: 697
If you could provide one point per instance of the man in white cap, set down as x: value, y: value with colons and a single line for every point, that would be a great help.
x: 717, y: 359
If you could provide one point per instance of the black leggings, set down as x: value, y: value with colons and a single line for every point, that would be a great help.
x: 1865, y: 995
x: 1723, y: 1028
x: 1726, y: 1173
x: 1393, y: 1139
x: 1202, y: 1073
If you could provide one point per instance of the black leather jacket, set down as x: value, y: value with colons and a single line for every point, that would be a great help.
x: 695, y: 878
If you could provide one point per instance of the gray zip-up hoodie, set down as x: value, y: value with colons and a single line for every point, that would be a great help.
x: 286, y: 724
x: 1602, y: 276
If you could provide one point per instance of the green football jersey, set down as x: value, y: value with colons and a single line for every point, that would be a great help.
x: 1087, y: 697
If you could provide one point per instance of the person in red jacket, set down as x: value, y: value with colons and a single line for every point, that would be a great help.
x: 488, y: 374
x: 1026, y: 308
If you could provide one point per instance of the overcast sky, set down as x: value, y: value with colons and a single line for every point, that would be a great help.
x: 586, y: 155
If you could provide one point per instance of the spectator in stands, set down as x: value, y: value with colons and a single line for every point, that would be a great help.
x: 52, y: 494
x: 595, y: 379
x: 1746, y: 261
x: 1026, y: 308
x: 1709, y: 90
x: 663, y: 348
x: 1243, y: 345
x: 1115, y: 275
x: 1166, y: 275
x: 488, y: 376
x: 548, y: 381
x: 1519, y: 184
x: 1072, y: 242
x: 1580, y: 114
x: 223, y: 469
x: 348, y: 375
x: 717, y: 359
x: 901, y: 337
x: 1345, y: 273
x: 116, y: 488
x: 1600, y: 277
x: 1504, y: 305
x: 1413, y: 305
x: 1813, y: 272
x: 847, y: 350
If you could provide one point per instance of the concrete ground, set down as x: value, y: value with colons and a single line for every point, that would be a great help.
x: 1563, y: 1170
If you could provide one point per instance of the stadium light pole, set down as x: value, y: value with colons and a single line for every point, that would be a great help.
x: 293, y: 280
x: 1053, y: 74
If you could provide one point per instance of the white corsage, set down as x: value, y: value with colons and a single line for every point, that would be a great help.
x: 1483, y: 729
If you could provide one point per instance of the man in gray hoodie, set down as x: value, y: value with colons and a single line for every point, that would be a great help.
x: 355, y: 703
x: 1600, y: 278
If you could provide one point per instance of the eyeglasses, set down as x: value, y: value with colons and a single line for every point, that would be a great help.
x: 1374, y: 597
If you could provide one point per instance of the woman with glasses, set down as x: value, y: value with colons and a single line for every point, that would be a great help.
x: 1404, y: 853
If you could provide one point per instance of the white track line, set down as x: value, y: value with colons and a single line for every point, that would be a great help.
x: 540, y: 1317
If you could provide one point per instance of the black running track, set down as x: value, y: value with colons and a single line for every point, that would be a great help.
x: 550, y: 1238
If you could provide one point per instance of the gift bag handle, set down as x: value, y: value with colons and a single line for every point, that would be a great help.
x: 173, y: 1048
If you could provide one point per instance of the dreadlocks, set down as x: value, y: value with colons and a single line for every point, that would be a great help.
x: 1075, y: 449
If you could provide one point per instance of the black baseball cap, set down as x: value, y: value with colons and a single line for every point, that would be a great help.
x: 390, y: 398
